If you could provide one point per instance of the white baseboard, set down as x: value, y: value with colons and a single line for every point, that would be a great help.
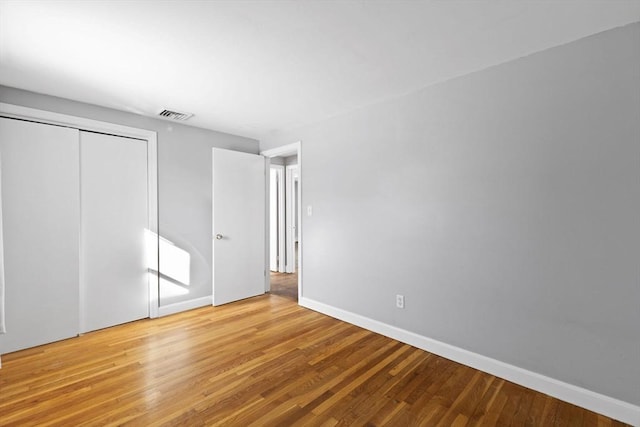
x: 165, y: 310
x: 605, y: 405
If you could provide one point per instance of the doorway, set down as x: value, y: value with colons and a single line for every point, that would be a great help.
x: 284, y: 231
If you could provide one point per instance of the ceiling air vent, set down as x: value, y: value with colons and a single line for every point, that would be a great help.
x: 174, y: 115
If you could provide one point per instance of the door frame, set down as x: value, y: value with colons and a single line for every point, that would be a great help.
x: 288, y: 150
x: 81, y: 123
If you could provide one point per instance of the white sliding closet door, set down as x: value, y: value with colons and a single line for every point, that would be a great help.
x: 114, y: 215
x: 40, y: 179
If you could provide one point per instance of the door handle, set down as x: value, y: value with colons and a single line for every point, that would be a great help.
x: 219, y: 236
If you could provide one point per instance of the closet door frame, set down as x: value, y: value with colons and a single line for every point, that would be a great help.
x: 48, y: 117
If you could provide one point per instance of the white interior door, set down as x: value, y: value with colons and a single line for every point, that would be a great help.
x: 113, y: 182
x: 40, y: 179
x: 238, y: 225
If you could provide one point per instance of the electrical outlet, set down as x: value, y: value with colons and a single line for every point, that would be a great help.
x: 400, y: 301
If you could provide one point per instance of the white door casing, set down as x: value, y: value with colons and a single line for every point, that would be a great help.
x: 238, y: 224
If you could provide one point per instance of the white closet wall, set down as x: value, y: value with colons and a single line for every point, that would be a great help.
x: 40, y: 181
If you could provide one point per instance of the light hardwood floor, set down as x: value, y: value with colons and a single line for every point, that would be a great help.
x: 264, y: 361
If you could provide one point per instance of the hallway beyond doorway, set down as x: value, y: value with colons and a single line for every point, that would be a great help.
x: 285, y: 285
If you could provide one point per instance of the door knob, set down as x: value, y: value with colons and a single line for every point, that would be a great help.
x: 218, y: 236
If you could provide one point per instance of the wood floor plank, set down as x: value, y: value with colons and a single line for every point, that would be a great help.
x: 264, y: 361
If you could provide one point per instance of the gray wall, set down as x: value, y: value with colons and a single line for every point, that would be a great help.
x: 504, y: 205
x: 184, y: 176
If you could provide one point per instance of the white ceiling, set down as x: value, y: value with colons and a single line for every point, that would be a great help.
x: 252, y: 67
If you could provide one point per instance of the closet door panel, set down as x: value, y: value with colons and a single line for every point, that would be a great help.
x: 41, y: 213
x: 115, y: 286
